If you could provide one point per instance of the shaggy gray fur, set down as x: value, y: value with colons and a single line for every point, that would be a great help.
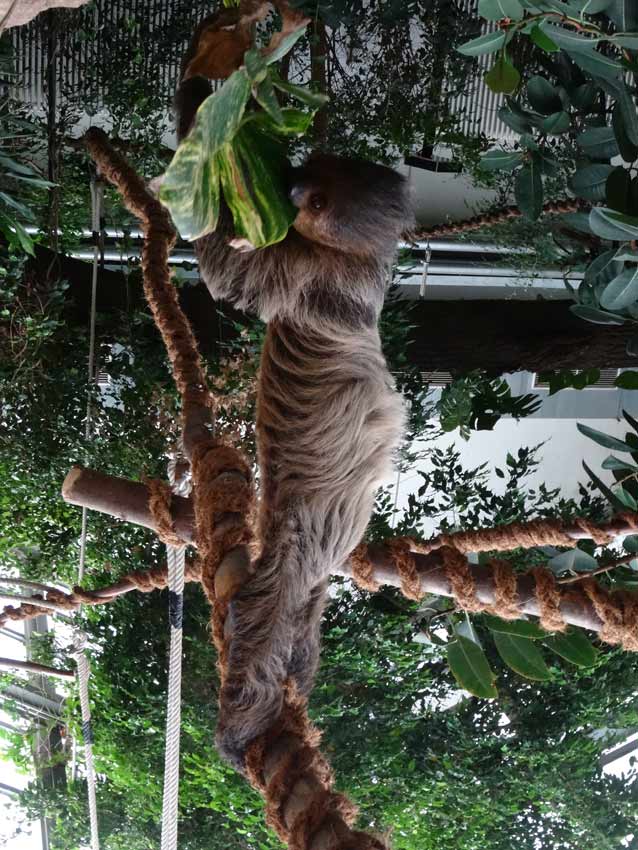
x: 328, y: 417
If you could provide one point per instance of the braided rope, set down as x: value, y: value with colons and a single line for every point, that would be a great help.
x: 84, y: 672
x: 175, y: 559
x: 492, y: 219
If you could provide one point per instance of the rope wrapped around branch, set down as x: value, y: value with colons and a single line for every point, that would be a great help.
x: 617, y: 611
x: 491, y: 219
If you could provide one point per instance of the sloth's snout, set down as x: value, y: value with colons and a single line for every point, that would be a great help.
x: 296, y: 193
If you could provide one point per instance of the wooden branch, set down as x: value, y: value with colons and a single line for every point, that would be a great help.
x: 125, y: 500
x: 34, y: 667
x: 128, y: 500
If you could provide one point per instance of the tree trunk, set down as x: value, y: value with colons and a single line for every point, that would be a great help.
x: 508, y: 336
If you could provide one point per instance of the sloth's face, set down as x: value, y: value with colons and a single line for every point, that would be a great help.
x: 351, y: 205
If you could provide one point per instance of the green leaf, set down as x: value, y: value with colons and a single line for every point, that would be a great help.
x: 597, y: 64
x: 313, y: 99
x: 266, y: 97
x: 512, y: 114
x: 577, y: 221
x: 597, y: 317
x: 624, y: 14
x: 501, y: 160
x: 627, y: 255
x: 256, y: 66
x: 618, y: 190
x: 612, y: 225
x: 13, y: 167
x: 569, y: 39
x: 19, y: 207
x: 611, y: 497
x: 584, y: 96
x: 260, y: 207
x: 625, y: 105
x: 625, y: 39
x: 622, y: 291
x: 604, y: 440
x: 502, y: 78
x: 190, y: 188
x: 294, y: 123
x: 496, y: 10
x: 614, y: 463
x: 16, y: 235
x: 488, y: 43
x: 542, y: 96
x: 574, y: 646
x: 467, y: 630
x: 575, y: 560
x: 592, y: 7
x: 630, y: 543
x: 220, y: 115
x: 590, y: 182
x: 628, y: 150
x: 470, y: 667
x: 543, y: 41
x: 521, y: 628
x: 528, y: 190
x: 557, y: 123
x: 603, y: 269
x: 286, y: 43
x: 627, y: 380
x: 522, y: 655
x: 599, y: 142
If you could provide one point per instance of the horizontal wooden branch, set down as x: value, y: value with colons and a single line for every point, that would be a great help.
x: 125, y: 500
x: 128, y: 500
x: 35, y: 667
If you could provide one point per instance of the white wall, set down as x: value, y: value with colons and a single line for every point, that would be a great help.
x: 560, y: 457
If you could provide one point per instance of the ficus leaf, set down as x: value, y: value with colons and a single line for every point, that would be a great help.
x: 502, y: 78
x: 590, y: 182
x: 612, y: 225
x: 522, y: 655
x: 528, y: 189
x: 604, y: 440
x: 622, y: 291
x: 574, y: 646
x: 488, y: 43
x: 470, y: 667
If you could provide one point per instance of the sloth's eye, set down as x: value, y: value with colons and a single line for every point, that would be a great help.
x: 317, y: 201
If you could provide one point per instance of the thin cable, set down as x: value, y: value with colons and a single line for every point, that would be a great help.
x: 97, y: 191
x: 84, y: 672
x: 175, y: 561
x: 83, y: 669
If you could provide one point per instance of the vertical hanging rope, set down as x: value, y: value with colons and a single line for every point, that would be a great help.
x: 175, y: 560
x: 97, y: 191
x: 84, y: 672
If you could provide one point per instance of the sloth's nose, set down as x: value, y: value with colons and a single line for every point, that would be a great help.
x: 296, y: 194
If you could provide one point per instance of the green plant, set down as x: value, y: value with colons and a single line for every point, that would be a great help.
x: 243, y: 153
x: 475, y: 402
x: 576, y: 107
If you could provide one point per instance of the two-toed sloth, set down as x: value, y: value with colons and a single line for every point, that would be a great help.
x: 328, y: 416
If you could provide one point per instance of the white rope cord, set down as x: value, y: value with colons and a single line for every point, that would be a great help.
x: 83, y: 669
x: 175, y: 560
x: 97, y: 191
x: 87, y: 732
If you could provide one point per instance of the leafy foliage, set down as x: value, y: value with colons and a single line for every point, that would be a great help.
x: 243, y: 153
x: 583, y: 109
x: 475, y: 402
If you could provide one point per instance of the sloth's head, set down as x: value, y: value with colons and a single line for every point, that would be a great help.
x: 351, y: 205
